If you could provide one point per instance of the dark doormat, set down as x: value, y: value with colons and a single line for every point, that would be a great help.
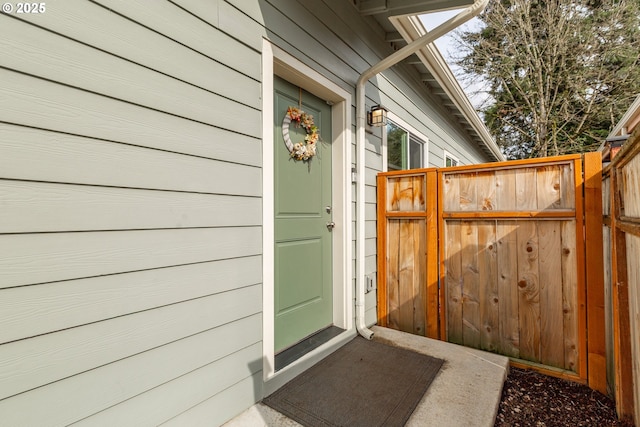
x: 364, y: 383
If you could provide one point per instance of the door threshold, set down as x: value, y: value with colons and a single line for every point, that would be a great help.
x: 291, y: 354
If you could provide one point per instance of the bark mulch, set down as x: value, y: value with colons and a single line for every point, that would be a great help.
x: 533, y: 399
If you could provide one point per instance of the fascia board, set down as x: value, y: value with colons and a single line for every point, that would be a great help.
x: 633, y: 110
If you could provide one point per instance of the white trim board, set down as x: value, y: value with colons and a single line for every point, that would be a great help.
x: 276, y: 61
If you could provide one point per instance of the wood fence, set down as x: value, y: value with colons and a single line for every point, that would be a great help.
x: 407, y: 233
x: 621, y: 232
x: 506, y: 243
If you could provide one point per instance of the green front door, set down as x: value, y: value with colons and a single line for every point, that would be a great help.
x: 302, y: 196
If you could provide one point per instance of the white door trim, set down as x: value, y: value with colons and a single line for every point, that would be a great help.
x: 276, y: 61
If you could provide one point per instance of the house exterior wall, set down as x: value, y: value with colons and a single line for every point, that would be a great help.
x: 130, y: 185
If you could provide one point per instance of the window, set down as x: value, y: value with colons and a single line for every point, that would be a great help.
x: 405, y: 150
x: 450, y: 160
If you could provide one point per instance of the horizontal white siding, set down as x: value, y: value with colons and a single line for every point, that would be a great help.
x: 130, y: 213
x: 81, y: 208
x: 80, y: 396
x: 34, y: 102
x: 29, y: 311
x: 234, y: 400
x: 38, y: 52
x: 154, y: 407
x: 75, y: 350
x: 27, y: 259
x: 37, y: 155
x: 130, y: 198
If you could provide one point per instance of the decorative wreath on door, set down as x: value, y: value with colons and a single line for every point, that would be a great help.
x: 306, y: 149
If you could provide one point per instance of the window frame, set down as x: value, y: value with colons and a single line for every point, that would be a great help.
x: 411, y: 132
x: 448, y: 155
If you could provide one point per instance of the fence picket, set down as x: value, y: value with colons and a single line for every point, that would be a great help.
x: 508, y: 289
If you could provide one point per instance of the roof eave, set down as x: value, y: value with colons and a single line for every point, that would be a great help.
x: 437, y: 66
x: 633, y: 110
x: 408, y: 7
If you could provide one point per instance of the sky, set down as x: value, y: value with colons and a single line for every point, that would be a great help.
x: 447, y: 48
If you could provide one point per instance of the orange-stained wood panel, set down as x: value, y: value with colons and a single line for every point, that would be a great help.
x: 470, y: 285
x: 570, y: 297
x: 528, y: 290
x: 511, y: 259
x: 407, y: 242
x: 488, y: 286
x: 507, y: 260
x: 594, y: 274
x: 432, y: 267
x: 551, y: 293
x: 512, y: 278
x: 453, y: 281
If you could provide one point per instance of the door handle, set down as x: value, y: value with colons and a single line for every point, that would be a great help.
x: 331, y: 225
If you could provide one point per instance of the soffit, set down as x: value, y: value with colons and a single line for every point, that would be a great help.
x: 428, y: 63
x: 387, y: 8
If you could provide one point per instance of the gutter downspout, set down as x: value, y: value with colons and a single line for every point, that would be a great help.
x: 387, y: 62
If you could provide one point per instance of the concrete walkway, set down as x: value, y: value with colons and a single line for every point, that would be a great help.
x: 466, y: 392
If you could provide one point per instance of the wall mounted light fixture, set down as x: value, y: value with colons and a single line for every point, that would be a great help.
x: 377, y: 116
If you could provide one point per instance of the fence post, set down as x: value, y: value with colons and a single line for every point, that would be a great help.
x: 621, y: 322
x: 442, y: 295
x: 433, y: 276
x: 382, y: 250
x: 594, y: 274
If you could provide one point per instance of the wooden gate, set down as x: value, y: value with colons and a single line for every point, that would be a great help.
x: 493, y: 257
x: 408, y: 251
